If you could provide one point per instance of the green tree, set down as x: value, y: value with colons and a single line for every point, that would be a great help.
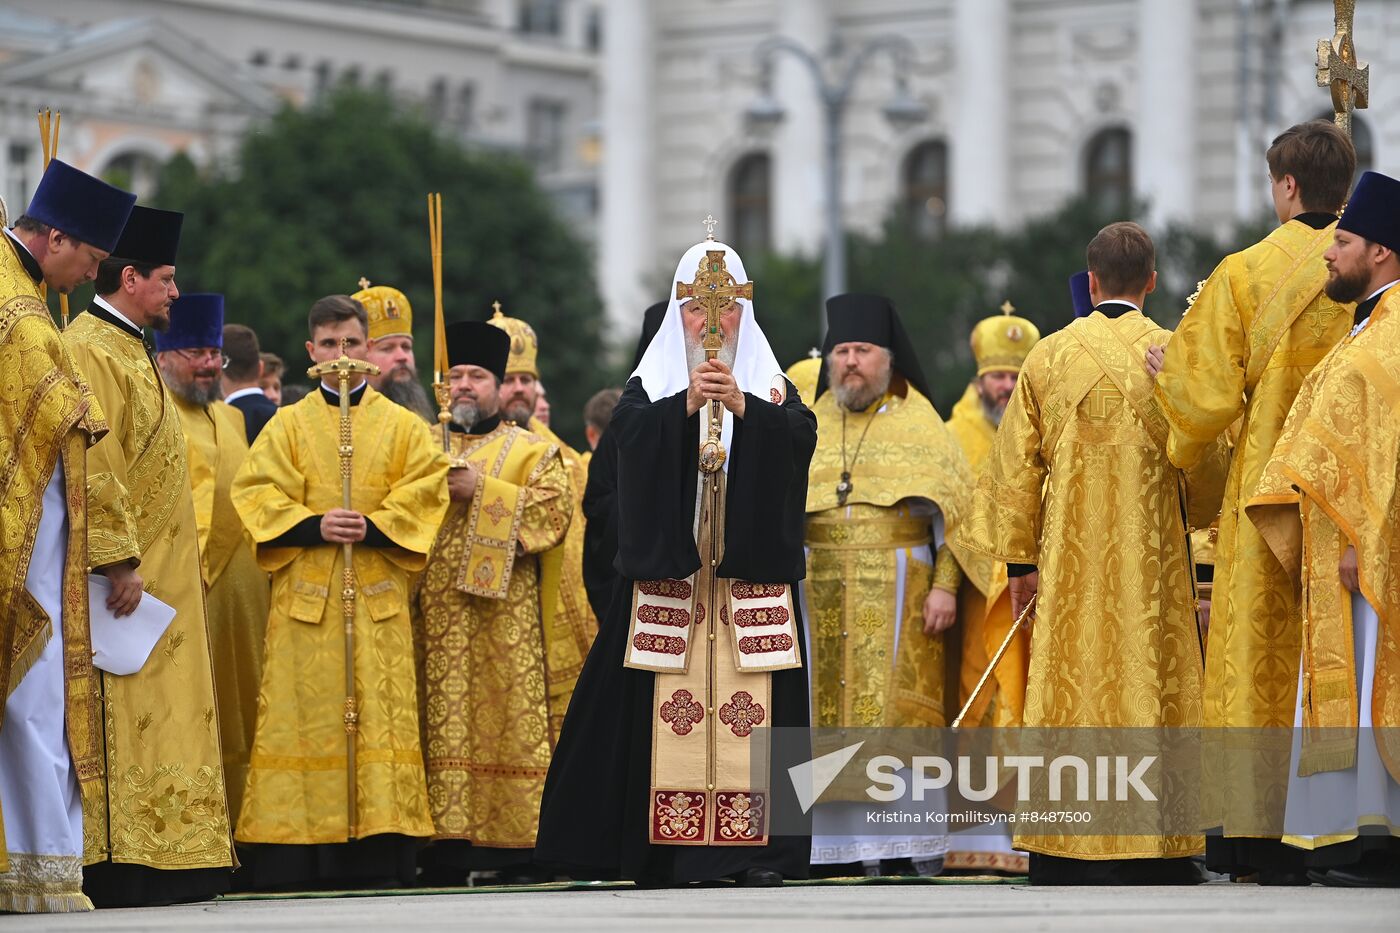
x: 319, y: 197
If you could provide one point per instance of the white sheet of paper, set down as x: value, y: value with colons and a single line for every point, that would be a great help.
x: 121, y: 646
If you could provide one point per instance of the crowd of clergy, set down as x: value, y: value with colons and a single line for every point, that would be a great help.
x: 414, y: 639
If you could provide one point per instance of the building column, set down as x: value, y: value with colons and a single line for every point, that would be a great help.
x: 980, y: 148
x: 797, y: 222
x: 1164, y: 136
x: 625, y: 244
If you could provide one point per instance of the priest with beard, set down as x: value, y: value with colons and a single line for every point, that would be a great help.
x: 391, y: 348
x: 702, y: 642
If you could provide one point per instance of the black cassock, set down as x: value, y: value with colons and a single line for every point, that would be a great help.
x: 600, y: 533
x: 594, y: 816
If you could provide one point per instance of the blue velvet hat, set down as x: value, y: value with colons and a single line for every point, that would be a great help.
x: 87, y: 209
x: 1079, y: 294
x: 1374, y: 210
x: 151, y: 236
x: 196, y: 321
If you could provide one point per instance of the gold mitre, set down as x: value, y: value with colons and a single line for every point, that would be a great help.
x: 524, y: 345
x: 388, y: 309
x: 1000, y: 343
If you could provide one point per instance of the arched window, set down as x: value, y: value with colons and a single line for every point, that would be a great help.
x: 1108, y: 170
x: 750, y: 202
x: 1365, y: 143
x: 925, y: 195
x: 137, y: 172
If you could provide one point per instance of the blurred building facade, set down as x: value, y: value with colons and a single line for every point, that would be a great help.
x: 138, y: 80
x: 635, y: 113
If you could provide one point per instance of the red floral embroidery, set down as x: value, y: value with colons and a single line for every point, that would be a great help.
x: 497, y: 510
x: 776, y: 396
x: 661, y: 644
x: 699, y: 613
x: 674, y: 589
x: 682, y: 711
x: 743, y: 590
x: 724, y: 614
x: 771, y: 615
x: 741, y: 714
x: 739, y: 817
x: 663, y: 615
x: 677, y: 816
x: 764, y: 644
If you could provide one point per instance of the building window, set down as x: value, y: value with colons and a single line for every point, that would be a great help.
x: 544, y: 135
x: 437, y: 100
x: 19, y: 178
x: 464, y: 107
x: 750, y: 202
x: 321, y: 79
x: 1108, y: 170
x: 1365, y: 144
x: 926, y: 189
x: 541, y: 17
x: 137, y: 172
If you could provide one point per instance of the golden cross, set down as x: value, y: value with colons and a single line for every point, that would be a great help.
x: 1102, y: 403
x: 342, y: 369
x: 1339, y: 69
x: 714, y: 288
x: 496, y: 307
x: 1007, y: 307
x: 364, y: 283
x: 1318, y: 321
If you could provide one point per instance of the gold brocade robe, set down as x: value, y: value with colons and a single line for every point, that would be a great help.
x: 569, y: 623
x: 864, y: 672
x: 986, y: 619
x: 48, y: 419
x: 165, y: 803
x: 296, y: 791
x: 1332, y: 483
x: 236, y: 588
x: 478, y: 613
x: 1258, y: 326
x: 1078, y: 483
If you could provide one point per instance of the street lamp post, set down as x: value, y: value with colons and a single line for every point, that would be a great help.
x: 834, y: 87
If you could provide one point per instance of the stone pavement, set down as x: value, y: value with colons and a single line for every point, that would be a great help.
x: 808, y: 909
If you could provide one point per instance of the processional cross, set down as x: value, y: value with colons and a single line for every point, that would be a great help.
x: 343, y: 370
x: 714, y: 287
x: 1339, y: 69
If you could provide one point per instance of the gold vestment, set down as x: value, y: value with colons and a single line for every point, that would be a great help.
x: 488, y: 721
x: 165, y: 804
x: 296, y: 791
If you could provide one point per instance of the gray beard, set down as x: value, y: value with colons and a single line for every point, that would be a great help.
x: 859, y: 399
x: 201, y: 397
x: 411, y: 395
x: 466, y: 414
x: 695, y: 353
x: 990, y: 410
x: 519, y: 413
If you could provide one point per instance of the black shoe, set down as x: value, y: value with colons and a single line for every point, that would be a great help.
x: 760, y: 878
x: 898, y: 868
x: 1359, y: 876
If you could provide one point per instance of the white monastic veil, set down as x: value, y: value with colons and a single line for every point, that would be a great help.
x: 663, y: 368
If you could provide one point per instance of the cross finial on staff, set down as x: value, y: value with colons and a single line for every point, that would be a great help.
x: 496, y: 307
x: 364, y: 283
x: 710, y: 223
x: 1007, y: 307
x: 1339, y: 69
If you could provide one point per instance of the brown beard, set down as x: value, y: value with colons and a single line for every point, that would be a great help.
x: 410, y: 394
x: 1347, y: 288
x: 519, y: 412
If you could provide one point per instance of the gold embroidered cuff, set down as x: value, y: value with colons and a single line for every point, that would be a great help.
x: 947, y: 575
x: 852, y: 534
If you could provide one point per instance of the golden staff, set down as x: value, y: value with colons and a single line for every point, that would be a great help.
x: 440, y: 365
x: 49, y: 123
x: 343, y: 369
x: 996, y: 659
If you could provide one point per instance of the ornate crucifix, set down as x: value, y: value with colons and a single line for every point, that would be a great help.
x: 714, y: 287
x: 343, y: 370
x: 1338, y: 68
